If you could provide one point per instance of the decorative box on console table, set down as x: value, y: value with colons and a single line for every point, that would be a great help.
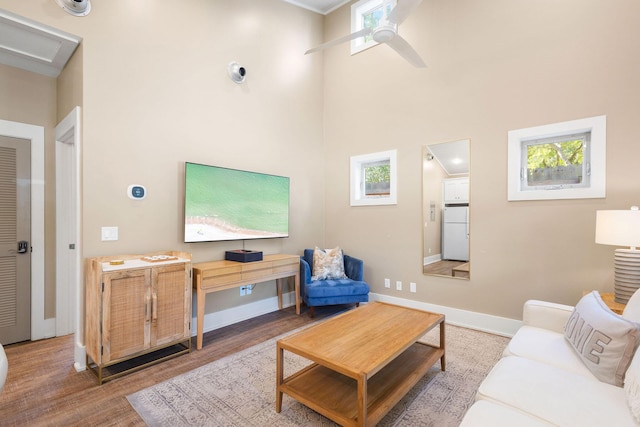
x: 136, y: 305
x: 242, y: 255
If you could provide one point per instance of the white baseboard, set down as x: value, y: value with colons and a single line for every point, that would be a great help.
x: 468, y: 319
x: 219, y: 319
x: 431, y: 259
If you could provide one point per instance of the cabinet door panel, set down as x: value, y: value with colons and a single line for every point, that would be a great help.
x: 171, y: 300
x: 126, y: 313
x: 456, y: 190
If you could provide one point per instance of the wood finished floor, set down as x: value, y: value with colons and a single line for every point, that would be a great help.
x: 43, y: 388
x: 444, y: 268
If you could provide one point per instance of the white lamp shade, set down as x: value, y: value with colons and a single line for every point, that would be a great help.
x: 618, y: 228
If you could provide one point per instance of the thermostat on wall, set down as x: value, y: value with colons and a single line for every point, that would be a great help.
x: 137, y: 192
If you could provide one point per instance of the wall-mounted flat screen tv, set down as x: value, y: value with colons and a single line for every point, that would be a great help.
x: 230, y: 204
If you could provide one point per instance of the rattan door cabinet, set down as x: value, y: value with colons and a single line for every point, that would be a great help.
x: 138, y: 309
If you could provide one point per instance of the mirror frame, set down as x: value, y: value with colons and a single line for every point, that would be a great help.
x: 432, y: 208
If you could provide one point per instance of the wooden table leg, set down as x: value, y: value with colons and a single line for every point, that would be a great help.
x: 200, y: 295
x: 279, y: 376
x: 279, y: 291
x: 442, y: 359
x: 297, y: 291
x: 362, y: 401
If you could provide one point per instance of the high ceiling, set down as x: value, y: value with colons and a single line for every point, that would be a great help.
x: 45, y: 50
x: 319, y: 6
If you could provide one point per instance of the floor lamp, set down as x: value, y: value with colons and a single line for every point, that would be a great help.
x: 622, y: 228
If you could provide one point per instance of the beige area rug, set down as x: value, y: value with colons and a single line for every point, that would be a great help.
x: 239, y: 390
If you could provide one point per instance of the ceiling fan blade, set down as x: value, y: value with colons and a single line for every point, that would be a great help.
x: 362, y: 33
x: 405, y: 50
x: 402, y: 11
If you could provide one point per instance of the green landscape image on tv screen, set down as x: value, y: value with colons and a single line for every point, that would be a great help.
x: 231, y: 204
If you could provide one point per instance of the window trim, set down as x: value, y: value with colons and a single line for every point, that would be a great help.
x: 357, y: 193
x: 596, y: 156
x: 358, y: 9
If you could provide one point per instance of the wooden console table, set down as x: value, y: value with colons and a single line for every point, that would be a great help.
x: 214, y: 276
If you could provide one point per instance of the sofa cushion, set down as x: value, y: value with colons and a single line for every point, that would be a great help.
x: 328, y: 264
x: 333, y: 288
x: 632, y: 309
x: 546, y: 346
x: 555, y: 395
x: 632, y: 386
x: 484, y: 413
x: 604, y: 341
x: 546, y: 315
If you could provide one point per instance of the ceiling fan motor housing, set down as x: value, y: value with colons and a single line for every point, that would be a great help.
x: 384, y: 34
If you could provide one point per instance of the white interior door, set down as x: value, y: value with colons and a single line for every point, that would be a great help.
x: 15, y: 240
x: 34, y: 136
x: 69, y: 290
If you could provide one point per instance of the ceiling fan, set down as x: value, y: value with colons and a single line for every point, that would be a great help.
x: 386, y: 32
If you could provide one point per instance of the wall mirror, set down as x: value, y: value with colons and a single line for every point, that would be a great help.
x: 445, y: 209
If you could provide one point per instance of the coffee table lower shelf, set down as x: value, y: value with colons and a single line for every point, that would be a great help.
x: 335, y: 395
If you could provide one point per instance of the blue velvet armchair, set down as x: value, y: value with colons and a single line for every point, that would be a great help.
x: 333, y: 291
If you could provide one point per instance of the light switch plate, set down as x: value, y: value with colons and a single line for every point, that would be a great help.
x: 109, y: 233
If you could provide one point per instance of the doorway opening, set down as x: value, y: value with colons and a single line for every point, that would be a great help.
x: 69, y: 292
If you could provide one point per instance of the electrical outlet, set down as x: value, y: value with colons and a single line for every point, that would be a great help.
x: 412, y: 287
x: 249, y: 289
x: 243, y: 291
x: 398, y: 285
x: 387, y: 283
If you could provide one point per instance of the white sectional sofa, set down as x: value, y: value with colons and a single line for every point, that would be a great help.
x: 565, y: 367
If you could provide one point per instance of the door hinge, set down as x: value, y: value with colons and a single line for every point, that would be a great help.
x: 102, y: 286
x: 101, y: 350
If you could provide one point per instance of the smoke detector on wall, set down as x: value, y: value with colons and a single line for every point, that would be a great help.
x: 75, y: 7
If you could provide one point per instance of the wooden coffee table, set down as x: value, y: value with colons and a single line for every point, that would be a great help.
x: 365, y: 361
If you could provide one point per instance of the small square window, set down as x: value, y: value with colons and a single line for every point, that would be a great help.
x: 373, y: 179
x: 559, y: 161
x: 367, y: 14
